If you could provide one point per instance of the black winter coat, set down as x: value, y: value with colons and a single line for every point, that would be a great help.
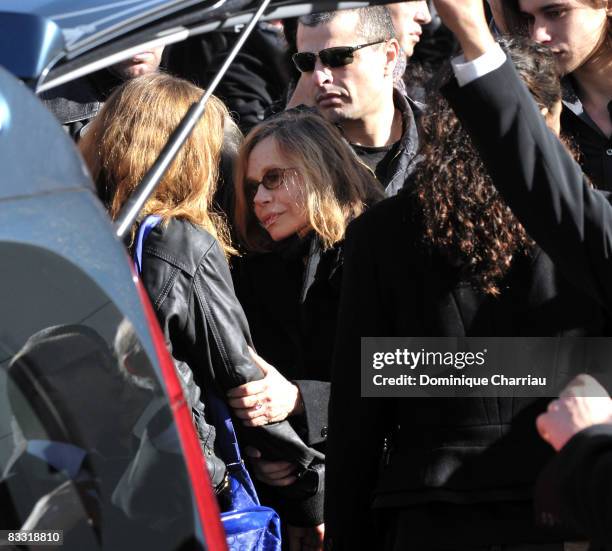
x: 546, y: 189
x: 574, y: 489
x: 403, y: 164
x: 469, y: 462
x: 188, y: 280
x: 294, y: 326
x: 292, y: 329
x: 572, y: 222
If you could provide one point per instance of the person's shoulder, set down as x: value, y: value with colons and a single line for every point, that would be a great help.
x: 72, y: 102
x: 383, y: 220
x: 182, y: 244
x: 257, y: 263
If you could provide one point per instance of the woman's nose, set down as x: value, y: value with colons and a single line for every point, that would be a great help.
x: 262, y: 196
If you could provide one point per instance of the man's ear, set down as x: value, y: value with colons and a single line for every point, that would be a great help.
x: 392, y: 51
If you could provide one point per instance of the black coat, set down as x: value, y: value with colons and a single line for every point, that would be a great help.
x: 469, y: 462
x: 574, y: 489
x: 77, y: 103
x: 255, y: 83
x: 295, y: 335
x: 538, y: 179
x: 188, y: 280
x: 403, y: 163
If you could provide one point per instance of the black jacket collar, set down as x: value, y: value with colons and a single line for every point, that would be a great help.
x: 403, y: 164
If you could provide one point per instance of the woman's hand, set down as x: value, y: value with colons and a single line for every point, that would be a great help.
x: 272, y: 473
x: 268, y: 400
x: 308, y: 538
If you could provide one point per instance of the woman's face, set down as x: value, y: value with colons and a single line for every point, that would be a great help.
x: 281, y: 211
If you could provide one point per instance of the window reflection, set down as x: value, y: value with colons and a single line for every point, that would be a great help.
x: 88, y: 443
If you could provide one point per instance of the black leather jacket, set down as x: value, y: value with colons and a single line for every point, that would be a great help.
x: 406, y: 159
x: 188, y: 279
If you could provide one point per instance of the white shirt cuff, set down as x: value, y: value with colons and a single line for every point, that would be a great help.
x: 466, y: 72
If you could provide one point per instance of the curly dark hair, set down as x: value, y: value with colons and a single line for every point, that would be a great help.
x: 464, y: 218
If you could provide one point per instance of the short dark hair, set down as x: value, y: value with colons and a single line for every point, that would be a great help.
x: 375, y: 22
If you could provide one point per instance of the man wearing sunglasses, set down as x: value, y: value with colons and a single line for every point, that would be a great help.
x: 346, y: 60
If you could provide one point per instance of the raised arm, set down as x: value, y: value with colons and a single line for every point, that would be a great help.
x: 537, y: 177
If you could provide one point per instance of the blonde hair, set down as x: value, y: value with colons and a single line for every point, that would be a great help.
x: 129, y: 133
x: 336, y: 184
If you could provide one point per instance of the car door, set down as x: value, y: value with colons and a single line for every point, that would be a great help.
x: 96, y: 443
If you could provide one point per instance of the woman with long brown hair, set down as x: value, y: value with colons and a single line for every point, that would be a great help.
x: 184, y: 258
x: 447, y: 258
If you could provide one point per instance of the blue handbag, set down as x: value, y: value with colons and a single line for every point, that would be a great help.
x: 248, y: 525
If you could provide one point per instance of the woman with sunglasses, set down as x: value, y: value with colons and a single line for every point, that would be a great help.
x: 298, y: 185
x: 184, y: 258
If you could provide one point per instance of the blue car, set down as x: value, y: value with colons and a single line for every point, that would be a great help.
x: 97, y: 446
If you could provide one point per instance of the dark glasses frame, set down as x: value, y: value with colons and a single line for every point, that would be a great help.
x: 337, y: 56
x: 268, y: 181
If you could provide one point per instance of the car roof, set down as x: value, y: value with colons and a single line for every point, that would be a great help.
x: 78, y: 21
x: 50, y: 42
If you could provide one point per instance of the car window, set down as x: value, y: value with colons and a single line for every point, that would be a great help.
x: 85, y: 17
x: 87, y: 441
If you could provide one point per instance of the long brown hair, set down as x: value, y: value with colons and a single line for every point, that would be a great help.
x: 337, y: 185
x: 129, y: 133
x: 463, y: 215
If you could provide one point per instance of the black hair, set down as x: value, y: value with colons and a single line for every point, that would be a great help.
x: 375, y: 22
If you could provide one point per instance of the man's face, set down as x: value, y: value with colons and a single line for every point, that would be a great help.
x: 573, y: 29
x: 142, y: 63
x: 350, y: 92
x: 408, y: 19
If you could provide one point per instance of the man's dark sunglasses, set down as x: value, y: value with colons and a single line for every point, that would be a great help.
x: 330, y: 57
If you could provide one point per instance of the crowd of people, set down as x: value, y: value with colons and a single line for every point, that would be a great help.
x: 351, y: 209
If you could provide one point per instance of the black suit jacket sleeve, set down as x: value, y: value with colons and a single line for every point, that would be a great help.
x: 575, y: 488
x: 315, y: 396
x: 538, y: 179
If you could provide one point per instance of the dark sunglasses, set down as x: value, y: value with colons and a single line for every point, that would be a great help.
x: 272, y: 179
x: 330, y: 57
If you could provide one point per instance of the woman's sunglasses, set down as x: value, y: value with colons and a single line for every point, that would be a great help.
x: 330, y: 57
x: 272, y: 179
